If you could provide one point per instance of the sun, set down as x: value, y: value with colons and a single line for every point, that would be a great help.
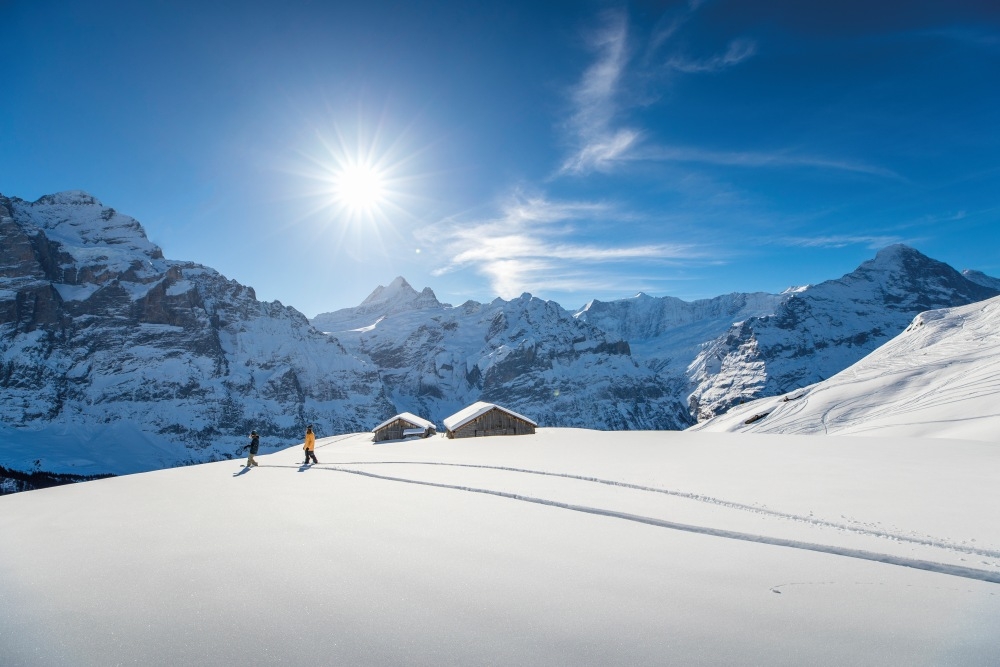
x: 359, y: 188
x: 362, y: 184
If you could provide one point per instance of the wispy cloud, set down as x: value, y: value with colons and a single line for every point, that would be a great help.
x: 780, y: 158
x: 599, y: 137
x: 597, y: 143
x: 738, y: 51
x: 530, y: 246
x: 601, y: 140
x: 874, y: 242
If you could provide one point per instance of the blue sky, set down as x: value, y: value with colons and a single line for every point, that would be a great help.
x: 573, y: 150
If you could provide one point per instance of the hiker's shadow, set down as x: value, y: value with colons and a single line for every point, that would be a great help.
x: 242, y: 471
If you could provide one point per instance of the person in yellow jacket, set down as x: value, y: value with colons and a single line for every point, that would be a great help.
x: 310, y: 445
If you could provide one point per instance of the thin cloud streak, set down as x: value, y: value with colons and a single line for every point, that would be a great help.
x: 873, y: 242
x: 738, y: 51
x: 761, y: 159
x: 525, y: 248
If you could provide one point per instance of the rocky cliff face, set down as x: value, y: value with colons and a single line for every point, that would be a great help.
x: 130, y: 361
x: 527, y: 354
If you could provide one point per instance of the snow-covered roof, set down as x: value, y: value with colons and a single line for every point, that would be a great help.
x: 466, y: 415
x: 407, y: 416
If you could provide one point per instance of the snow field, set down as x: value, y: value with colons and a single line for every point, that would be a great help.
x: 404, y: 553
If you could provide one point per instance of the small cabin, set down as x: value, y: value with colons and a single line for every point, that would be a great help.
x: 403, y: 425
x: 481, y: 419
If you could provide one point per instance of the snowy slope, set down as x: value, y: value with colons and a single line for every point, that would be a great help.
x: 567, y: 547
x: 939, y: 378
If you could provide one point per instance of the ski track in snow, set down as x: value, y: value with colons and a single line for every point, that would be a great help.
x: 861, y: 554
x: 929, y: 566
x: 939, y: 544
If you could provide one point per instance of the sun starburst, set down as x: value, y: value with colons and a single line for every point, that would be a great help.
x: 362, y: 184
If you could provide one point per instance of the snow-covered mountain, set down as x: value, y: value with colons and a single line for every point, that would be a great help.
x: 939, y: 378
x: 530, y: 355
x: 114, y: 359
x: 817, y: 331
x: 666, y: 334
x: 643, y: 362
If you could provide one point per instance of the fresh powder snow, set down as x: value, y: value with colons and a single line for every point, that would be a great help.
x: 569, y: 546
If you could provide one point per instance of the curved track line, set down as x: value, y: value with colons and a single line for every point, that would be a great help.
x: 707, y: 499
x: 928, y: 566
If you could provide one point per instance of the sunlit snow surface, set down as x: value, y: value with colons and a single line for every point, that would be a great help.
x: 939, y: 378
x: 567, y: 547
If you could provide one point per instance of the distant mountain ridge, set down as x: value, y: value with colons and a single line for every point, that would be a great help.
x: 530, y: 355
x: 693, y: 359
x: 119, y: 359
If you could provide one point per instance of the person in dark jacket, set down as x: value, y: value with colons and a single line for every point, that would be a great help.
x: 253, y: 446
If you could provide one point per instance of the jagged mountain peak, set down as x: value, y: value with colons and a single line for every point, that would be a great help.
x: 70, y: 198
x: 908, y: 279
x: 398, y: 290
x: 896, y: 250
x: 398, y: 297
x: 399, y: 293
x: 903, y: 259
x: 78, y: 221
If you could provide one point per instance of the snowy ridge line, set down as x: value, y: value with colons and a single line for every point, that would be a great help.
x: 939, y: 544
x: 860, y: 554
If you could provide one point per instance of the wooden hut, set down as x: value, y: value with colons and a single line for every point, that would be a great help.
x: 403, y: 425
x: 481, y: 419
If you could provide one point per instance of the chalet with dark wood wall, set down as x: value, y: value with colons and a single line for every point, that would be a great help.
x: 403, y: 425
x: 482, y: 419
